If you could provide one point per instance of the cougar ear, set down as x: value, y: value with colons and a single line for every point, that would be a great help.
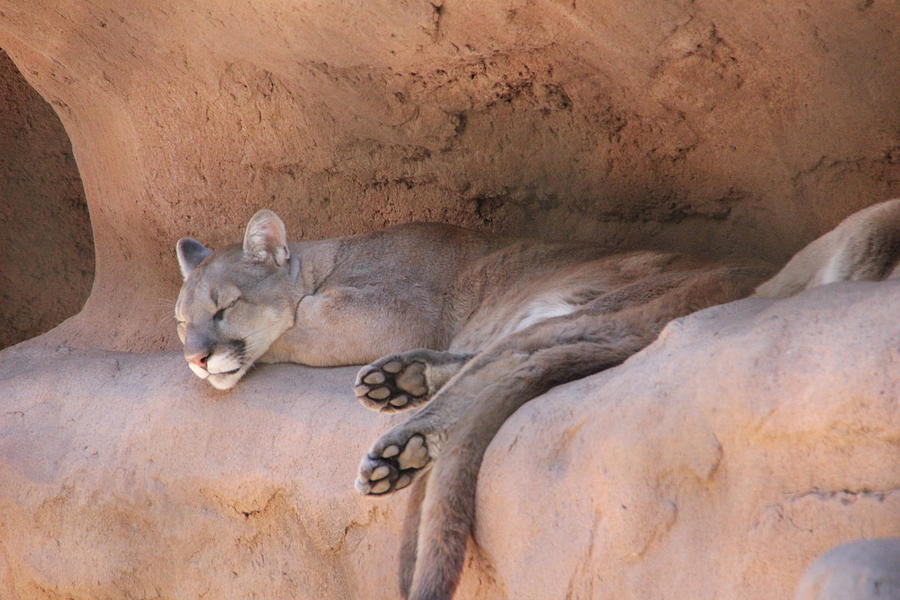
x: 266, y: 238
x: 190, y: 253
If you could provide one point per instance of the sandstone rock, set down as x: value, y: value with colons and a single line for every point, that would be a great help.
x: 720, y: 128
x: 717, y: 463
x: 860, y: 570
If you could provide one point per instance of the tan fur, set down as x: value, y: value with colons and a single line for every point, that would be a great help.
x: 864, y: 247
x: 469, y: 327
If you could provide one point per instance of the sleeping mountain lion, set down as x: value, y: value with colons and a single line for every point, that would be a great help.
x: 465, y: 327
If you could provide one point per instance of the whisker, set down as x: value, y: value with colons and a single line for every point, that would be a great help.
x: 161, y: 303
x: 165, y: 321
x: 251, y: 347
x: 261, y: 329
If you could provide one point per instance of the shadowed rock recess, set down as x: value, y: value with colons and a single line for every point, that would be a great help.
x: 46, y: 250
x: 718, y: 463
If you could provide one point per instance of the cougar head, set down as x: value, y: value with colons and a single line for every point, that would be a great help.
x: 234, y: 303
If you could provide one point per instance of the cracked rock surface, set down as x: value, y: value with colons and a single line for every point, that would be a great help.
x: 718, y: 463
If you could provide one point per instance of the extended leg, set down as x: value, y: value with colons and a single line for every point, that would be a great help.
x: 586, y: 344
x: 402, y: 381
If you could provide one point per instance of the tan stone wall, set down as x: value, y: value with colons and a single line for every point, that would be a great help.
x: 723, y: 128
x: 46, y: 248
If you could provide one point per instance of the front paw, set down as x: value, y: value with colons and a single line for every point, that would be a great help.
x: 392, y: 384
x: 392, y: 464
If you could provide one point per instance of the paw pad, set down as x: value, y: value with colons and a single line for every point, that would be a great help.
x: 393, y: 468
x: 390, y: 385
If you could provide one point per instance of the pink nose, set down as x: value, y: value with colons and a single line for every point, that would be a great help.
x: 198, y: 359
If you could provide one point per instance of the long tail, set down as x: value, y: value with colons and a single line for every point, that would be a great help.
x: 446, y: 523
x: 411, y: 534
x: 448, y: 512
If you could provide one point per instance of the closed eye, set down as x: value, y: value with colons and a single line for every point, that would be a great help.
x: 220, y: 314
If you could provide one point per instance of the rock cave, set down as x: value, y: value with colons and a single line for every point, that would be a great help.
x: 718, y: 463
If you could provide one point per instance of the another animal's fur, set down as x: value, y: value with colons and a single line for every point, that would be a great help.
x: 468, y: 326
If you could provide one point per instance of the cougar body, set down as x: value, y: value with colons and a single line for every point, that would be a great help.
x: 465, y: 327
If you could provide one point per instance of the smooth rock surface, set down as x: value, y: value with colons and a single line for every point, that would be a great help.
x: 718, y: 463
x: 860, y: 570
x: 741, y: 127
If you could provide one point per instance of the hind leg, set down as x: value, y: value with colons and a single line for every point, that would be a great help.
x: 565, y: 348
x: 544, y: 355
x: 459, y: 423
x: 406, y: 380
x: 540, y: 355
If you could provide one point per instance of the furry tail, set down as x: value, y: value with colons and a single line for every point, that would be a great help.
x: 448, y: 508
x: 447, y: 516
x: 411, y: 534
x: 863, y: 247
